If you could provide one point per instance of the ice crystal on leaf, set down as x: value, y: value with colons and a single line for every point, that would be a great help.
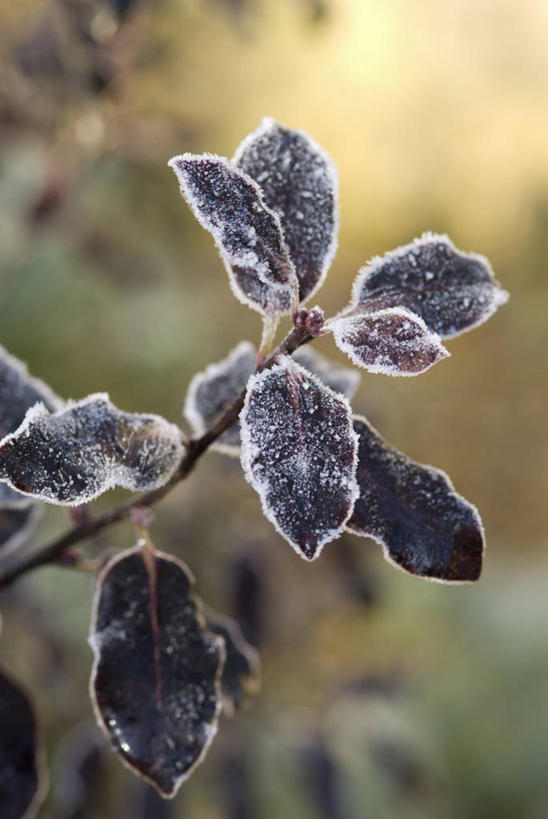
x: 413, y: 510
x: 74, y: 455
x: 337, y: 378
x: 299, y: 454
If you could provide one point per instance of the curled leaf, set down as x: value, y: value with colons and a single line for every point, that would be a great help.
x: 155, y: 683
x: 212, y: 391
x: 413, y: 511
x: 451, y: 290
x: 299, y: 454
x: 74, y: 455
x: 230, y: 205
x: 392, y: 341
x: 339, y: 379
x: 299, y: 182
x: 242, y: 669
x: 19, y: 770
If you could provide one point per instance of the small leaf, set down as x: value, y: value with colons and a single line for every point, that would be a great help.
x: 72, y: 456
x: 451, y: 290
x: 20, y: 791
x: 299, y: 182
x: 17, y: 525
x: 344, y: 380
x: 299, y: 454
x: 230, y: 205
x: 212, y: 391
x: 392, y: 341
x: 155, y: 683
x: 242, y: 669
x: 413, y: 511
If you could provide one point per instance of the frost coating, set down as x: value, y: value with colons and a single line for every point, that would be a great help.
x: 451, y: 290
x: 155, y: 683
x: 392, y: 341
x: 299, y: 181
x: 230, y: 205
x: 299, y: 453
x: 338, y: 379
x: 72, y: 456
x: 413, y: 511
x: 212, y: 391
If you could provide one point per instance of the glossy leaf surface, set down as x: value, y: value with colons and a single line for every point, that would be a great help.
x: 413, y: 511
x: 242, y: 669
x: 392, y: 342
x: 299, y: 182
x: 156, y: 677
x: 19, y: 775
x: 74, y: 455
x: 230, y: 205
x: 339, y: 379
x: 299, y: 454
x: 451, y: 290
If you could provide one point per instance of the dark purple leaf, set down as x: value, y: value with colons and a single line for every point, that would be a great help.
x: 299, y: 454
x: 16, y: 526
x: 392, y: 341
x: 339, y: 379
x: 230, y: 205
x: 155, y: 682
x: 413, y: 511
x: 74, y: 455
x: 19, y: 774
x: 242, y: 669
x: 299, y: 182
x: 212, y: 391
x: 451, y: 290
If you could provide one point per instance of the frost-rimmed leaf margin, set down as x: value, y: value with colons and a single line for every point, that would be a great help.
x: 342, y: 380
x: 270, y: 130
x: 434, y: 474
x: 374, y: 267
x: 12, y: 369
x: 249, y: 451
x: 201, y: 619
x: 119, y: 474
x: 247, y: 265
x: 405, y: 336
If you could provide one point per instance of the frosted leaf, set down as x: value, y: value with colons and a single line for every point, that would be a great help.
x: 299, y: 181
x: 392, y: 341
x: 155, y: 683
x: 413, y: 511
x: 299, y: 454
x: 76, y: 454
x: 339, y: 379
x: 212, y: 391
x: 230, y: 205
x: 242, y: 669
x: 451, y: 290
x: 17, y: 525
x: 19, y: 771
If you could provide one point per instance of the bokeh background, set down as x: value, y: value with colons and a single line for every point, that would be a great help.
x: 383, y: 695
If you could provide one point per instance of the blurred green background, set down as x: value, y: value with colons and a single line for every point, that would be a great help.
x: 383, y: 696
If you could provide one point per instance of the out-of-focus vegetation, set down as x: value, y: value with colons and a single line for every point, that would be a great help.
x: 382, y: 695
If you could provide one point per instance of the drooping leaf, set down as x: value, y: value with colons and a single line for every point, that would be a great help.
x: 413, y: 511
x: 212, y: 391
x: 339, y: 379
x: 242, y: 669
x: 299, y: 182
x: 72, y: 456
x: 299, y: 454
x: 451, y: 290
x: 155, y: 682
x: 19, y: 770
x: 17, y: 525
x: 392, y: 341
x: 230, y: 205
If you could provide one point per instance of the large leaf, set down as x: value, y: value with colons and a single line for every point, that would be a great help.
x: 413, y: 511
x: 230, y: 205
x: 19, y: 770
x: 155, y: 682
x: 392, y: 341
x: 299, y: 182
x: 451, y: 290
x: 299, y: 454
x: 72, y: 456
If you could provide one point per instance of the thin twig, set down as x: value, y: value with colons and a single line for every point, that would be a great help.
x: 196, y: 447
